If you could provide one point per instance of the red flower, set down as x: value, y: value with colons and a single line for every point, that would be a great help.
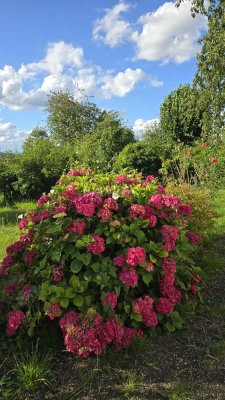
x: 15, y: 319
x: 53, y: 310
x: 164, y: 306
x: 110, y: 299
x: 214, y: 160
x: 203, y: 145
x: 119, y: 261
x: 135, y: 256
x: 98, y: 246
x: 129, y: 277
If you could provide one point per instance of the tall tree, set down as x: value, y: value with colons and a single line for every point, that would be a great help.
x: 109, y: 137
x: 69, y: 119
x: 181, y: 114
x: 210, y: 76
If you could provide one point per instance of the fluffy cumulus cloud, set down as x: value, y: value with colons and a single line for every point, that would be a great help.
x: 169, y: 34
x: 112, y: 29
x: 64, y: 68
x: 140, y: 125
x: 166, y: 34
x: 10, y: 135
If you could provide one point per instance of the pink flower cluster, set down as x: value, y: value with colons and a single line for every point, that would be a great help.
x: 27, y: 289
x: 110, y: 299
x: 87, y: 203
x: 167, y: 283
x: 53, y: 310
x: 28, y: 257
x: 164, y: 306
x: 57, y: 273
x: 14, y: 320
x: 119, y: 261
x: 91, y: 335
x: 98, y: 246
x: 43, y: 199
x: 193, y: 238
x: 16, y: 247
x: 129, y: 277
x: 169, y: 237
x: 135, y: 256
x: 77, y: 227
x: 137, y: 210
x: 144, y: 307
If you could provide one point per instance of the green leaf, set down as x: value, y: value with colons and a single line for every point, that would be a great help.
x: 163, y: 254
x: 147, y: 277
x: 78, y: 300
x: 69, y: 293
x: 76, y: 266
x: 54, y: 229
x: 153, y: 258
x: 140, y: 235
x: 136, y: 317
x: 117, y: 290
x: 75, y: 282
x: 127, y: 308
x: 85, y: 258
x: 96, y: 267
x: 64, y: 302
x: 56, y: 254
x: 59, y: 291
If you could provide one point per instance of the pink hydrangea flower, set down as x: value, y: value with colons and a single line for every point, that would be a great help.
x: 164, y: 306
x: 111, y: 204
x: 27, y: 289
x: 77, y: 227
x: 193, y: 238
x: 144, y: 306
x: 14, y: 320
x: 59, y: 210
x: 43, y: 199
x: 57, y: 273
x: 53, y: 310
x: 135, y: 256
x: 185, y: 209
x: 119, y: 261
x: 29, y: 257
x: 129, y: 277
x: 156, y: 200
x: 104, y: 214
x: 137, y: 210
x: 110, y: 299
x: 98, y: 246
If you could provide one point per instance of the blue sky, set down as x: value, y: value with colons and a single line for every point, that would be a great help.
x: 126, y: 55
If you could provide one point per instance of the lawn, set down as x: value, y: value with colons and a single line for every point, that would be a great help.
x: 186, y: 365
x: 9, y: 231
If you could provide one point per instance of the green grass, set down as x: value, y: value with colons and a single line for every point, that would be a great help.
x: 9, y: 231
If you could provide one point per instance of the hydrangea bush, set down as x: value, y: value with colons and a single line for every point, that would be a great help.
x: 106, y: 256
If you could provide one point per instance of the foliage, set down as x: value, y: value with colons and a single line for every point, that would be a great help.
x: 98, y: 149
x: 108, y: 254
x: 203, y: 215
x: 181, y: 114
x: 209, y: 79
x: 69, y: 119
x: 144, y: 156
x: 202, y: 164
x: 8, y: 170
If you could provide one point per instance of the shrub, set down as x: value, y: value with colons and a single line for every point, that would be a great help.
x: 202, y: 217
x: 106, y: 256
x: 202, y: 164
x: 142, y: 156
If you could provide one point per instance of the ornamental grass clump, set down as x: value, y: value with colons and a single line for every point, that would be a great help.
x: 107, y: 257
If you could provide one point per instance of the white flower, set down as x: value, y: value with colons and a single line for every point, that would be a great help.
x: 20, y: 216
x: 52, y: 190
x: 115, y: 196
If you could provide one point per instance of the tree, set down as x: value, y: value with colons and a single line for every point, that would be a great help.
x: 109, y: 137
x: 35, y: 134
x: 40, y: 166
x: 70, y: 119
x: 181, y: 114
x: 8, y: 178
x: 144, y: 156
x: 210, y: 76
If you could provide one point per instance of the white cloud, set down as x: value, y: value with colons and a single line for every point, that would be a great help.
x: 140, y: 125
x: 169, y: 34
x: 10, y: 136
x: 122, y: 83
x: 111, y: 29
x: 64, y: 68
x: 166, y: 34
